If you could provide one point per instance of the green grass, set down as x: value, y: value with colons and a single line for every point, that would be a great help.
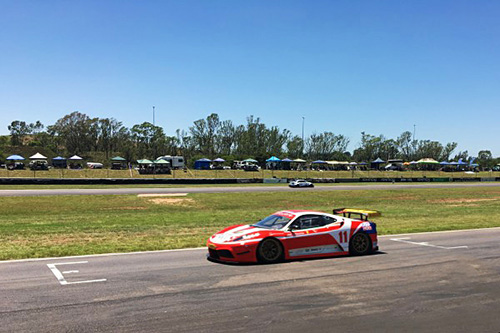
x: 33, y: 227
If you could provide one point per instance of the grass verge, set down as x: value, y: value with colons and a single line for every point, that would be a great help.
x: 34, y: 227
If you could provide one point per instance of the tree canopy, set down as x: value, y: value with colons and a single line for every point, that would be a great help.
x: 77, y: 133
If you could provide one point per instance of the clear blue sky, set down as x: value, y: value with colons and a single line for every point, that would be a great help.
x: 347, y: 66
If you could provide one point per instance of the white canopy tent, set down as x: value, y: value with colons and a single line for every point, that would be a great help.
x: 38, y: 156
x: 75, y: 158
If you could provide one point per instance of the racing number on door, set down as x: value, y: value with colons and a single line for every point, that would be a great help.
x: 343, y: 236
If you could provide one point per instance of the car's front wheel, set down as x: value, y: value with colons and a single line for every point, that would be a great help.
x: 270, y: 251
x: 360, y: 244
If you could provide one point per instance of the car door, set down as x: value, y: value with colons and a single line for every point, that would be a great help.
x: 310, y: 236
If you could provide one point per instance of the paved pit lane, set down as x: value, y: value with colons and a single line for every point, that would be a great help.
x: 430, y: 282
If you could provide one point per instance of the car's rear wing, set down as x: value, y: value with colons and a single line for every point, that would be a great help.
x: 362, y: 214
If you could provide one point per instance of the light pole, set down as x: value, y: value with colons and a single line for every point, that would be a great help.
x: 153, y: 115
x: 303, y: 118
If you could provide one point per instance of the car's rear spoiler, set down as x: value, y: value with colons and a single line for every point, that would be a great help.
x: 363, y: 214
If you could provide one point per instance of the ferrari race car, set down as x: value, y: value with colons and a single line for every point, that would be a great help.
x: 297, y: 234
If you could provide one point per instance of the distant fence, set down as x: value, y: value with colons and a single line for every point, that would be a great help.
x: 199, y: 181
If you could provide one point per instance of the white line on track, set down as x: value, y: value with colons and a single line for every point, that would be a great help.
x: 60, y: 277
x: 438, y: 232
x: 405, y: 240
x: 204, y: 248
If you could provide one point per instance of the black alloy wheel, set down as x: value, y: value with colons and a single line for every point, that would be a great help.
x: 360, y: 244
x: 270, y: 251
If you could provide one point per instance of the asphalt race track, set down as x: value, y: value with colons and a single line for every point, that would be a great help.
x: 120, y: 191
x: 432, y: 282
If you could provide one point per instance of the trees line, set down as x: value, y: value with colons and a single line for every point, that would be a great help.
x: 77, y: 133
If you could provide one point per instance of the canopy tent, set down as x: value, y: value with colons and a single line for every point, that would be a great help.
x: 38, y: 162
x: 59, y: 162
x: 202, y: 164
x: 363, y: 163
x: 338, y: 165
x: 273, y: 163
x: 427, y: 161
x: 118, y: 163
x: 251, y: 160
x: 376, y: 164
x: 444, y: 163
x: 299, y: 160
x: 144, y: 161
x: 38, y: 156
x: 15, y: 158
x: 318, y: 162
x: 74, y: 162
x: 273, y: 159
x: 286, y: 164
x: 219, y: 160
x: 353, y: 163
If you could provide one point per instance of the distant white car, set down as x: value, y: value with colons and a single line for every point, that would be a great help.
x: 300, y: 183
x: 94, y: 165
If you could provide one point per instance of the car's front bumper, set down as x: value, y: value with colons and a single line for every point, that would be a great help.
x: 232, y: 252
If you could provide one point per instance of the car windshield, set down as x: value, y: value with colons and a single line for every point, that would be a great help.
x: 272, y: 222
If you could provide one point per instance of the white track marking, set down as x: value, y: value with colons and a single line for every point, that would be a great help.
x: 204, y: 248
x: 70, y: 272
x: 60, y: 277
x: 405, y: 240
x: 438, y: 232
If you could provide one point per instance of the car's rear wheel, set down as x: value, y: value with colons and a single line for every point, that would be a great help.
x: 360, y: 244
x: 270, y: 251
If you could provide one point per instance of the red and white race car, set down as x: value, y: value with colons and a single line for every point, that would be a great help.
x: 297, y: 234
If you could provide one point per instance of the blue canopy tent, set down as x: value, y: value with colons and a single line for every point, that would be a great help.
x: 376, y: 164
x: 320, y: 165
x: 445, y: 166
x: 202, y: 164
x: 218, y: 163
x: 15, y: 158
x: 273, y: 163
x: 286, y: 163
x: 273, y: 159
x: 59, y: 162
x: 15, y: 162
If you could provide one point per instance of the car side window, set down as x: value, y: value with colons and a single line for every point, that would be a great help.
x: 310, y: 221
x: 328, y: 220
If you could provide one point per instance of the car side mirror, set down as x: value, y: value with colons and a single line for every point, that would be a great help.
x: 293, y: 227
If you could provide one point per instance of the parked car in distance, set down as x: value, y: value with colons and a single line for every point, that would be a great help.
x: 94, y: 165
x: 300, y: 183
x: 251, y: 167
